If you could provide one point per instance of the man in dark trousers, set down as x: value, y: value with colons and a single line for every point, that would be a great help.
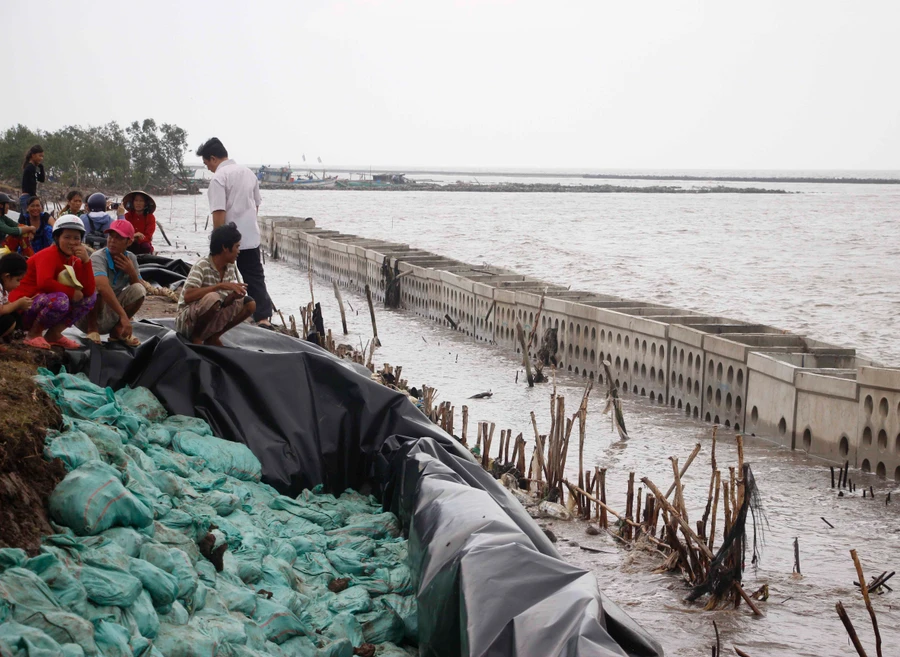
x: 234, y: 198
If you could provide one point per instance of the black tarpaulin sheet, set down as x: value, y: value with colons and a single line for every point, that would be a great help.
x: 489, y: 581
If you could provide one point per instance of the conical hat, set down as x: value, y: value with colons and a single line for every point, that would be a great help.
x: 129, y: 198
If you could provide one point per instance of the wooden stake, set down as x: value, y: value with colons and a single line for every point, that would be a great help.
x: 848, y: 625
x: 375, y: 339
x: 629, y: 505
x: 340, y: 300
x: 526, y: 361
x: 797, y: 555
x: 715, y: 508
x: 687, y: 464
x: 604, y: 520
x: 740, y: 472
x: 864, y: 587
x: 465, y: 421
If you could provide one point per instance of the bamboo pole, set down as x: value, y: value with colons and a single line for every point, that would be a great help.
x: 604, y: 521
x: 715, y: 508
x: 629, y: 505
x: 465, y: 421
x: 340, y: 300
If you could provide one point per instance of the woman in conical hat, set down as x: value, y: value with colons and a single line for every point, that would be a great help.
x: 139, y: 209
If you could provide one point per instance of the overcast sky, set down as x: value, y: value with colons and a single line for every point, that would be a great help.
x: 594, y: 84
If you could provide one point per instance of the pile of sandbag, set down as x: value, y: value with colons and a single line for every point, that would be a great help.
x: 168, y: 545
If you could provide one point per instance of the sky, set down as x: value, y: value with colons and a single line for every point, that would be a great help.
x: 593, y: 85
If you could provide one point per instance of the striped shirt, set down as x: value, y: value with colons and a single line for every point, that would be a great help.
x: 204, y: 274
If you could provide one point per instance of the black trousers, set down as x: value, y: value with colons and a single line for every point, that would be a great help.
x: 249, y: 263
x: 8, y: 321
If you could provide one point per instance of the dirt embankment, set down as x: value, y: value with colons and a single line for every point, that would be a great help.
x: 26, y: 479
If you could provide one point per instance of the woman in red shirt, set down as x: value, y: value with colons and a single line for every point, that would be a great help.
x: 140, y: 207
x: 56, y: 303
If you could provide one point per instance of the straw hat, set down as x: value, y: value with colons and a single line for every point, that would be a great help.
x: 128, y: 201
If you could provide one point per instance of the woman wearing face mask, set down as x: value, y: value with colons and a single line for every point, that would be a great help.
x: 32, y: 174
x: 140, y: 207
x: 60, y: 282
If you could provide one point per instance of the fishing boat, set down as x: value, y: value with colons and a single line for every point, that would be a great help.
x: 312, y: 180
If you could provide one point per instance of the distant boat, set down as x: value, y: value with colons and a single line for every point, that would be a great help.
x: 312, y: 180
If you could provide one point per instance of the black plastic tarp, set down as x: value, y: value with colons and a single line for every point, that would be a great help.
x: 489, y: 581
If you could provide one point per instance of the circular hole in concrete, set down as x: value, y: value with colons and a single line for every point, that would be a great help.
x: 728, y: 402
x: 718, y: 397
x: 644, y: 346
x: 711, y: 369
x: 687, y: 410
x: 653, y: 350
x: 719, y: 372
x: 618, y: 338
x: 652, y: 396
x: 643, y: 371
x: 897, y: 474
x: 690, y: 385
x: 709, y: 394
x: 882, y: 439
x: 727, y: 424
x: 643, y: 392
x: 782, y: 426
x: 662, y: 353
x: 730, y: 374
x: 869, y: 404
x: 883, y: 407
x: 696, y: 412
x: 844, y: 446
x: 865, y: 467
x: 880, y: 470
x: 807, y: 439
x: 661, y: 378
x: 737, y: 427
x: 680, y: 382
x: 691, y: 360
x: 635, y: 390
x: 681, y: 357
x: 708, y: 417
x: 897, y: 444
x: 618, y: 363
x: 738, y: 404
x: 626, y: 342
x: 867, y: 436
x: 697, y: 388
x: 716, y: 420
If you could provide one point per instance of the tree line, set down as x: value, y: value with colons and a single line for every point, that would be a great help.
x: 143, y: 155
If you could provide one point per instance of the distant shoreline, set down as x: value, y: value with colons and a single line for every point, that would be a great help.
x: 535, y: 188
x: 786, y: 179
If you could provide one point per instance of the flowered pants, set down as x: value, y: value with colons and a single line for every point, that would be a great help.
x: 55, y: 308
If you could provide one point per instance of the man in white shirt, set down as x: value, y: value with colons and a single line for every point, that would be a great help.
x: 234, y: 198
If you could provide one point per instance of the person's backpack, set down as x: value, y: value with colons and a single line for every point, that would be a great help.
x: 95, y: 237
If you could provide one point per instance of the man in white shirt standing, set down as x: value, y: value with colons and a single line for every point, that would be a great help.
x: 234, y: 198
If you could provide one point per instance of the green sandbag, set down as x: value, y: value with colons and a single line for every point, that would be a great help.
x: 114, y: 588
x: 309, y: 543
x: 69, y: 592
x: 167, y: 483
x: 61, y: 626
x: 299, y: 646
x: 176, y: 563
x: 74, y: 448
x: 379, y: 526
x: 160, y: 585
x: 185, y: 641
x: 406, y: 608
x: 307, y: 511
x: 178, y: 423
x: 225, y: 629
x: 177, y: 615
x: 350, y: 562
x: 224, y: 456
x: 94, y: 430
x: 92, y: 498
x: 354, y: 600
x: 112, y: 639
x: 382, y: 625
x: 23, y: 641
x: 144, y: 616
x: 235, y: 596
x: 170, y: 461
x: 142, y: 402
x: 338, y: 648
x: 12, y: 558
x: 127, y: 539
x: 21, y: 587
x: 74, y: 650
x: 278, y: 622
x: 224, y: 503
x: 143, y: 647
x: 157, y: 434
x: 345, y: 626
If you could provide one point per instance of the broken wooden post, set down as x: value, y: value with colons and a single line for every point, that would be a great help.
x: 340, y: 300
x: 375, y: 339
x: 526, y: 361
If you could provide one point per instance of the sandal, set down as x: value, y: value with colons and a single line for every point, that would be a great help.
x: 130, y: 341
x: 94, y: 337
x: 38, y: 343
x: 65, y: 343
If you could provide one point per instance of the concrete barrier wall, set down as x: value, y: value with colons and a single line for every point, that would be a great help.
x: 752, y: 378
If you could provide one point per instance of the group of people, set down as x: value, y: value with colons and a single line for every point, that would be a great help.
x: 81, y: 269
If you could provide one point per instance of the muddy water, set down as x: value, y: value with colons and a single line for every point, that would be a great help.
x: 800, y: 617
